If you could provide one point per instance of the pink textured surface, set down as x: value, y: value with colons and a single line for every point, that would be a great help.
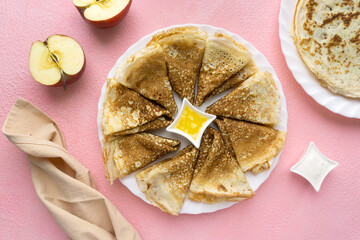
x: 285, y: 207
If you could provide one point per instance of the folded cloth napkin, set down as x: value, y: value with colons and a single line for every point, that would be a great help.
x: 61, y: 182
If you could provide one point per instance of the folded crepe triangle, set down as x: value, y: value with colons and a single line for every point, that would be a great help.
x: 127, y: 112
x: 235, y: 80
x: 146, y: 73
x: 218, y: 176
x: 223, y: 58
x: 255, y: 100
x: 129, y: 153
x: 184, y: 49
x: 166, y: 183
x: 253, y: 145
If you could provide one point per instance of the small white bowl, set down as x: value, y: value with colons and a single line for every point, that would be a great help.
x: 172, y: 127
x: 314, y: 166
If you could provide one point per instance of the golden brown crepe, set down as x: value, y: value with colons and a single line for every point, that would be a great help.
x: 255, y: 100
x: 166, y: 183
x: 249, y: 70
x: 223, y: 58
x: 254, y: 145
x: 127, y: 112
x: 129, y: 153
x: 217, y: 176
x: 327, y: 35
x: 146, y: 73
x: 184, y: 49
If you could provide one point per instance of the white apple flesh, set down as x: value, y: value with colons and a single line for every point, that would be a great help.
x: 103, y: 13
x: 59, y: 61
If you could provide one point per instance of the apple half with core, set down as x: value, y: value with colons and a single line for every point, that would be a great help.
x: 103, y: 13
x: 59, y: 61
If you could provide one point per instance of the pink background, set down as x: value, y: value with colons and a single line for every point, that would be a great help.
x: 285, y: 207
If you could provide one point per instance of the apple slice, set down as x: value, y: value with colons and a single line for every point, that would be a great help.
x: 59, y: 61
x: 103, y: 13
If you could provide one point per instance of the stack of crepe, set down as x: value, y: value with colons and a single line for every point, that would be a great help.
x: 126, y: 112
x: 126, y: 115
x: 212, y: 176
x: 254, y: 146
x: 223, y: 58
x: 245, y: 118
x: 146, y: 73
x: 218, y: 176
x: 140, y: 99
x: 184, y: 49
x: 166, y: 183
x: 218, y: 62
x: 215, y: 172
x: 255, y: 100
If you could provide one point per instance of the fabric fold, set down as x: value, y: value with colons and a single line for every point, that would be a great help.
x: 64, y: 185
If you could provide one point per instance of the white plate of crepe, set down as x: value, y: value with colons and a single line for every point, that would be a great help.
x: 191, y: 207
x: 336, y: 103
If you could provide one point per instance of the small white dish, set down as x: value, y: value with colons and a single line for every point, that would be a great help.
x: 173, y: 126
x: 314, y: 166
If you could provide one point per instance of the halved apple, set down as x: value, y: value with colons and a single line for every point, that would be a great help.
x: 59, y: 61
x: 103, y: 13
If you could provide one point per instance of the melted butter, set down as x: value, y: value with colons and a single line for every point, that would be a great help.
x: 190, y: 122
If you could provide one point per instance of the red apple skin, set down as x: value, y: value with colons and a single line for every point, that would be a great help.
x: 108, y: 23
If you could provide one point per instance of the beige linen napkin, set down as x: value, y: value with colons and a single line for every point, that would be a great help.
x: 61, y: 182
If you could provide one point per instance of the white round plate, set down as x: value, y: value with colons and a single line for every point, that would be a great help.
x: 255, y: 181
x: 336, y: 103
